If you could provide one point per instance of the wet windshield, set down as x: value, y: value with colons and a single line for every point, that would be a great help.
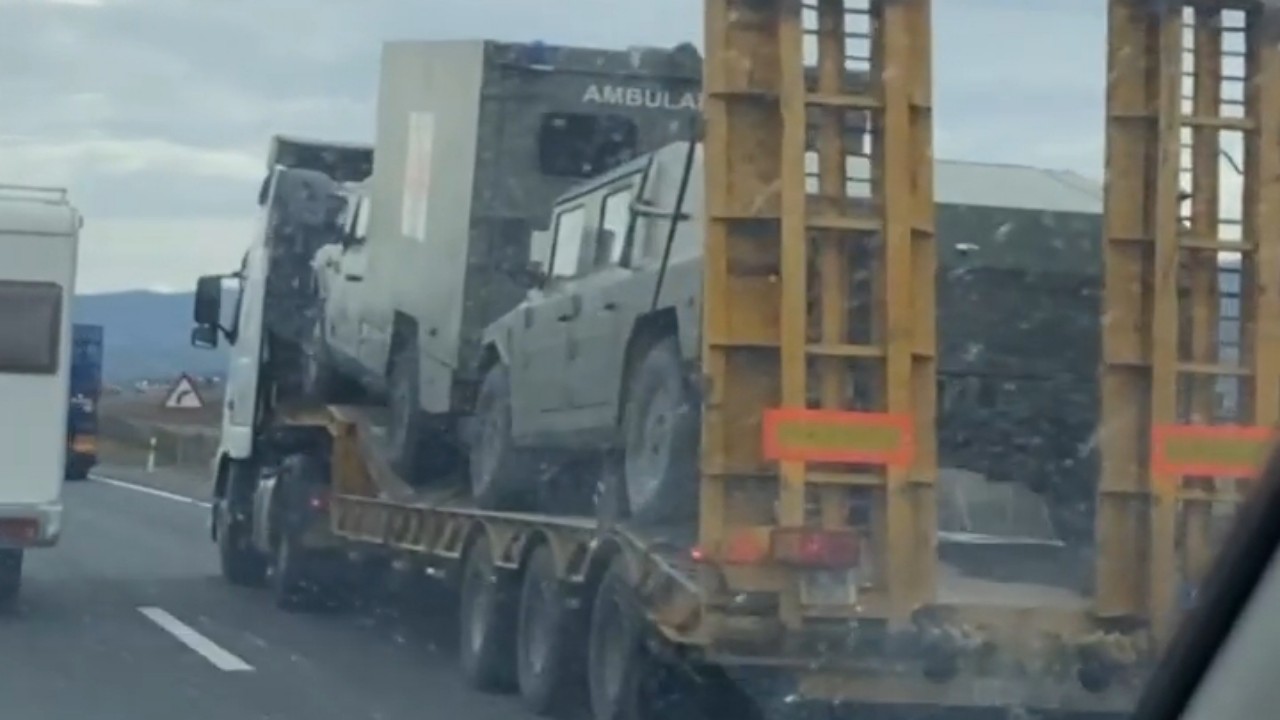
x: 720, y: 358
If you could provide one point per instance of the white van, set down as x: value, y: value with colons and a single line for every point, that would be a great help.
x: 39, y: 236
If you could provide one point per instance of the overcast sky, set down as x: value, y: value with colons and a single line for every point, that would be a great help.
x: 156, y: 113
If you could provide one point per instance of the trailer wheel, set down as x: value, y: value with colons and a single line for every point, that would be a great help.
x: 486, y: 622
x: 78, y: 468
x: 499, y: 471
x: 617, y: 659
x: 241, y: 563
x: 660, y: 429
x: 10, y: 576
x: 290, y: 585
x: 548, y: 646
x: 293, y: 572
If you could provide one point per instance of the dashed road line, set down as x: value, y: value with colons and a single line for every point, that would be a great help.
x: 206, y: 648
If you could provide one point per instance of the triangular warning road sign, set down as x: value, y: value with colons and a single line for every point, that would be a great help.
x: 183, y: 395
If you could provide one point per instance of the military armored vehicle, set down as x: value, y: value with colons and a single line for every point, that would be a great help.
x: 601, y: 360
x: 475, y: 140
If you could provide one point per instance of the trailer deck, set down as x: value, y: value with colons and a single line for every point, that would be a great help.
x: 673, y: 548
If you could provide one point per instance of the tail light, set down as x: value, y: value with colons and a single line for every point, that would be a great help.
x: 814, y: 548
x: 318, y: 500
x: 799, y: 547
x: 19, y: 530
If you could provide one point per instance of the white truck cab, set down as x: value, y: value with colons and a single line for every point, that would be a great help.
x: 39, y: 237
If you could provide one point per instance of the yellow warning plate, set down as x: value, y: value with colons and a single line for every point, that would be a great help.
x: 838, y: 436
x: 1219, y: 450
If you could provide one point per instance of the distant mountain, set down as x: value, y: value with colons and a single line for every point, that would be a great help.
x: 147, y: 335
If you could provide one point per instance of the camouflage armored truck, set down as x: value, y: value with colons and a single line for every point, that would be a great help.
x: 601, y: 360
x: 475, y: 140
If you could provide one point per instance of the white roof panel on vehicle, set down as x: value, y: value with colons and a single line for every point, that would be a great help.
x: 995, y: 185
x: 958, y: 182
x: 36, y: 211
x: 955, y: 182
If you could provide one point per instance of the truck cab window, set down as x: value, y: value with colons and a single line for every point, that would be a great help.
x: 30, y: 326
x: 611, y: 240
x: 567, y: 248
x: 578, y: 145
x: 355, y: 223
x: 362, y: 219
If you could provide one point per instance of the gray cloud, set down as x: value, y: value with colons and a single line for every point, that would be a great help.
x: 157, y: 112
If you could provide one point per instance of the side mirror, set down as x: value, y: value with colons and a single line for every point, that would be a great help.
x: 204, y: 337
x: 533, y: 275
x: 208, y: 302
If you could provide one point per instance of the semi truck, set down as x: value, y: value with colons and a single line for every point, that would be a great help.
x: 86, y: 392
x: 39, y: 237
x: 822, y: 586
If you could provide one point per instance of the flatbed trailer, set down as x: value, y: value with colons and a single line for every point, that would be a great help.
x: 984, y: 645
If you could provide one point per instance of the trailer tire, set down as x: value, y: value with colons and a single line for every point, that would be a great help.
x: 241, y: 563
x: 660, y: 430
x: 290, y: 586
x: 616, y: 657
x: 10, y: 576
x: 549, y: 647
x: 486, y: 623
x: 500, y: 473
x: 293, y: 567
x: 78, y: 468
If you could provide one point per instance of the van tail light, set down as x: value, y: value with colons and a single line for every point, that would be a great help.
x: 19, y: 530
x: 815, y: 548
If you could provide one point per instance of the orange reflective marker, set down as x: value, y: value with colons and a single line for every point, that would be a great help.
x: 1218, y: 450
x: 838, y: 436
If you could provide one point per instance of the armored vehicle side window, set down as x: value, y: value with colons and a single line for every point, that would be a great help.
x: 611, y: 240
x: 578, y: 145
x: 356, y: 223
x: 567, y: 249
x: 30, y: 327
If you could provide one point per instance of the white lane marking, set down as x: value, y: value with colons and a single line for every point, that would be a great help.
x: 148, y: 490
x: 188, y: 636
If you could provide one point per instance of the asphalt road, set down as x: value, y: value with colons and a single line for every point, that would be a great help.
x: 127, y: 619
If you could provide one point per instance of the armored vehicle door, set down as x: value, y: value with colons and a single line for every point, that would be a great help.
x: 610, y: 301
x: 540, y: 369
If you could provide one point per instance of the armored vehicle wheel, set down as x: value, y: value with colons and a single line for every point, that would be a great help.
x: 501, y: 478
x: 660, y: 430
x: 405, y: 432
x: 423, y: 450
x: 320, y: 380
